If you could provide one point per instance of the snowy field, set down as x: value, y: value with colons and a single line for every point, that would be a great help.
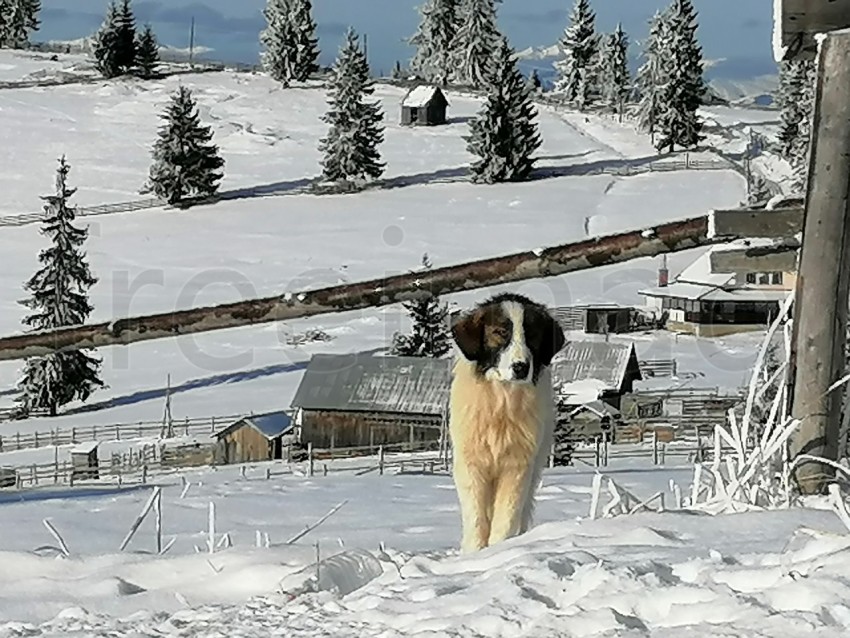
x: 652, y: 574
x: 267, y: 238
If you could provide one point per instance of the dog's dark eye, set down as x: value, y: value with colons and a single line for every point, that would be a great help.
x: 502, y: 332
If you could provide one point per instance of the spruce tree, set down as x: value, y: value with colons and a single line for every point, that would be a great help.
x: 147, y: 53
x: 615, y: 80
x: 278, y: 39
x: 350, y: 149
x: 398, y: 72
x: 125, y: 44
x: 306, y: 42
x: 504, y: 135
x: 185, y: 161
x: 476, y: 40
x: 535, y: 85
x: 106, y: 44
x: 59, y: 298
x: 653, y: 73
x: 18, y: 19
x: 435, y: 41
x: 577, y: 71
x: 430, y: 336
x: 683, y: 92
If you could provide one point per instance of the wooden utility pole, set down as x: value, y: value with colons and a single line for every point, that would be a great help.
x: 823, y: 287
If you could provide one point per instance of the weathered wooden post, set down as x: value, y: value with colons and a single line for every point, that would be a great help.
x: 654, y: 447
x: 381, y: 459
x: 823, y: 285
x: 310, y: 459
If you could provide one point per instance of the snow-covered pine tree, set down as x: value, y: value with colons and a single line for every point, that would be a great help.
x: 535, y: 85
x: 18, y: 19
x: 105, y: 47
x: 185, y: 161
x: 279, y: 57
x: 306, y: 42
x: 435, y: 41
x: 504, y: 135
x: 615, y: 81
x: 653, y: 73
x: 478, y: 36
x: 683, y: 92
x: 576, y: 82
x: 125, y: 44
x: 350, y: 149
x: 147, y: 53
x: 430, y: 336
x: 58, y: 298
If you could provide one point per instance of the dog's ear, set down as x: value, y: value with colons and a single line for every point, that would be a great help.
x: 468, y: 334
x: 553, y: 338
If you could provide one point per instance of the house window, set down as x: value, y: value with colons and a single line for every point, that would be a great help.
x: 414, y: 115
x: 751, y: 278
x: 764, y: 278
x: 776, y: 278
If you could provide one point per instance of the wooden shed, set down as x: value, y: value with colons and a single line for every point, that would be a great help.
x: 361, y: 400
x: 585, y: 371
x: 424, y: 106
x: 253, y: 438
x: 84, y: 462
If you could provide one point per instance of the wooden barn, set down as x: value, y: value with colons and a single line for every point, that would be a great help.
x: 424, y: 106
x: 359, y: 400
x: 585, y: 371
x: 258, y: 437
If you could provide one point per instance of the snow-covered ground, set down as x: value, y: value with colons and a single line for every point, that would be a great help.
x: 757, y: 574
x: 267, y: 238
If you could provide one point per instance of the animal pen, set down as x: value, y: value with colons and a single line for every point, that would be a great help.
x: 822, y: 288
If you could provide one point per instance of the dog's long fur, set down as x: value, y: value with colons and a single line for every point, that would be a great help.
x: 501, y: 415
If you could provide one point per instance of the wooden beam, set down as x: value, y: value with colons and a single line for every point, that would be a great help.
x: 779, y: 223
x: 537, y: 264
x: 799, y: 21
x: 779, y: 258
x: 823, y: 285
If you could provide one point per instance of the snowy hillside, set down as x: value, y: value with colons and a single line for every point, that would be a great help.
x: 268, y: 238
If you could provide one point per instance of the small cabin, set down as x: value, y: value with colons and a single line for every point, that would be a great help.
x: 585, y: 371
x: 424, y: 106
x: 84, y: 462
x: 361, y: 400
x: 253, y: 438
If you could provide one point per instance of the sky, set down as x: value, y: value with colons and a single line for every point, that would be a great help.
x: 737, y: 33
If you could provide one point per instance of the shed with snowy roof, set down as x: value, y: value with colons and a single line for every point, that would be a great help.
x: 424, y: 105
x: 587, y: 371
x: 258, y: 437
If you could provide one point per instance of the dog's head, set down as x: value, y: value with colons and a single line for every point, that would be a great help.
x: 509, y: 338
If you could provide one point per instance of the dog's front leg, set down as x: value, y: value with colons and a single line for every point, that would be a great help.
x: 475, y: 494
x: 509, y: 503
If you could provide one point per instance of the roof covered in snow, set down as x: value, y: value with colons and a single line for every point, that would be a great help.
x: 587, y: 365
x: 599, y: 408
x: 421, y: 95
x: 271, y: 425
x: 365, y: 383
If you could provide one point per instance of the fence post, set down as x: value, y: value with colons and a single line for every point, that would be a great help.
x: 552, y: 455
x: 17, y: 440
x: 654, y: 447
x: 34, y: 474
x: 74, y: 434
x: 118, y: 432
x: 36, y: 438
x: 212, y: 425
x: 310, y: 459
x: 381, y: 459
x: 411, y: 435
x: 144, y: 473
x: 597, y: 458
x: 1, y: 443
x: 140, y: 429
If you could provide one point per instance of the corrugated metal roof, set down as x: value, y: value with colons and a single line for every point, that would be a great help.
x: 607, y: 362
x: 271, y: 424
x: 366, y: 383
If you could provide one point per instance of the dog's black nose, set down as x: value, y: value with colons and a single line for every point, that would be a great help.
x: 520, y: 369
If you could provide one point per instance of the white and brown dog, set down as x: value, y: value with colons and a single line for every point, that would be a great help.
x: 501, y: 414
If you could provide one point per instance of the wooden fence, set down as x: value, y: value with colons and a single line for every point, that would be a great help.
x: 199, y: 426
x: 86, y: 211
